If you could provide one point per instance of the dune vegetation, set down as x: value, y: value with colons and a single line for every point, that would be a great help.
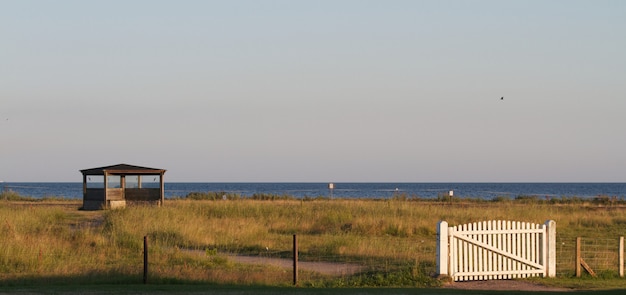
x: 193, y: 240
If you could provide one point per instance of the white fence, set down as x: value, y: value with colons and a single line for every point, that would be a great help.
x: 496, y: 249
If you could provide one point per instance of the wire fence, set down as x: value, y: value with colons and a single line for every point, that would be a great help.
x: 353, y: 257
x: 350, y: 259
x: 347, y: 258
x: 601, y: 255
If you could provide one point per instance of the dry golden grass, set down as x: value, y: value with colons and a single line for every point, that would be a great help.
x: 58, y: 240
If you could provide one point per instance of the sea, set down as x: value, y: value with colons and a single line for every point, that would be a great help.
x: 488, y: 191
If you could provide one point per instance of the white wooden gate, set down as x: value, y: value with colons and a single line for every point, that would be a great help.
x: 496, y: 249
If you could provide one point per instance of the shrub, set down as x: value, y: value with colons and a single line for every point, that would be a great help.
x: 528, y: 199
x: 11, y: 195
x: 212, y: 196
x: 501, y: 199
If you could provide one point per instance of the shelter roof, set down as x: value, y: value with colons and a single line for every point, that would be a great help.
x: 123, y: 169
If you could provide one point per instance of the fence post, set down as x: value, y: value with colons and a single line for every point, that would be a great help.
x: 145, y: 259
x: 621, y: 257
x: 551, y: 245
x: 295, y: 260
x: 578, y: 257
x: 442, y: 248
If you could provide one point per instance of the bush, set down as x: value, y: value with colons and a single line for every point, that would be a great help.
x: 528, y: 199
x: 447, y: 198
x: 270, y: 197
x: 604, y: 200
x: 212, y: 196
x: 11, y: 195
x: 501, y: 199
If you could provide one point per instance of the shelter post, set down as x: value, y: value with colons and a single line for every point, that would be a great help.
x: 84, y: 185
x: 162, y: 189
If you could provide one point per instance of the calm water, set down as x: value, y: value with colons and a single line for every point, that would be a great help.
x: 349, y: 190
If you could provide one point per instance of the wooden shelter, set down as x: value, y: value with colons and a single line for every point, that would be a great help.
x: 115, y: 186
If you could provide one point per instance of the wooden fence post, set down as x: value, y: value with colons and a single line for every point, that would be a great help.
x: 442, y: 248
x: 145, y: 259
x: 580, y: 261
x: 621, y: 257
x: 295, y: 260
x: 578, y: 256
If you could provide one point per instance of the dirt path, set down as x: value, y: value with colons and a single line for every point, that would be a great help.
x: 329, y: 268
x: 503, y: 285
x: 339, y: 269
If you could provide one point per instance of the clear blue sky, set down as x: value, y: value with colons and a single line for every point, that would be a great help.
x: 390, y: 91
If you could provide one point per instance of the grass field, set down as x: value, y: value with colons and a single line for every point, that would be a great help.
x: 54, y: 244
x: 238, y: 290
x: 263, y: 290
